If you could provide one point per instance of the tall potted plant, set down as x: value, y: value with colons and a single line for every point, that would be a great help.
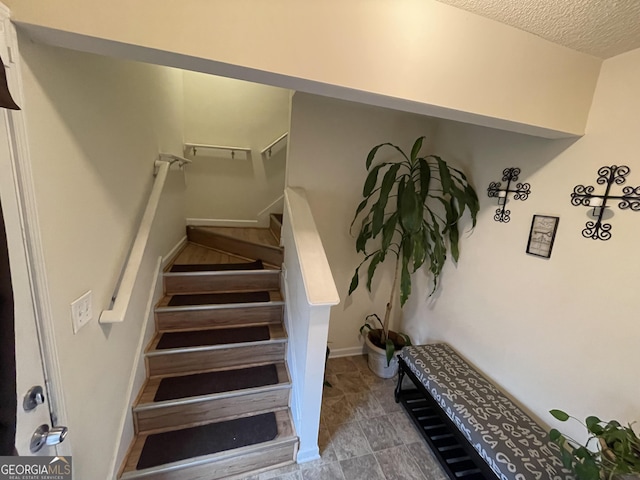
x: 410, y: 211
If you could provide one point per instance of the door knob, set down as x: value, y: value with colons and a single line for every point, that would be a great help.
x: 47, y: 436
x: 33, y: 398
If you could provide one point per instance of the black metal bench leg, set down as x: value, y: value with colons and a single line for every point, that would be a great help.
x: 396, y: 393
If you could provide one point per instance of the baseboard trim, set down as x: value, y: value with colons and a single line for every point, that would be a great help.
x: 308, y: 455
x: 173, y: 253
x: 220, y: 222
x: 136, y: 379
x: 346, y: 352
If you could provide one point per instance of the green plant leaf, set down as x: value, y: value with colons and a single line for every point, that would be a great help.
x: 372, y: 180
x: 376, y: 318
x: 593, y: 422
x: 355, y: 278
x: 363, y: 237
x: 354, y: 281
x: 445, y: 176
x: 405, y: 337
x: 405, y: 281
x: 559, y: 415
x: 380, y: 206
x: 367, y: 326
x: 567, y: 459
x: 453, y: 241
x: 424, y: 170
x: 419, y: 251
x: 361, y: 206
x: 410, y: 209
x: 372, y: 154
x: 391, y: 349
x: 554, y: 434
x: 472, y: 202
x: 416, y: 149
x: 372, y: 268
x: 388, y: 230
x: 375, y: 149
x: 401, y: 186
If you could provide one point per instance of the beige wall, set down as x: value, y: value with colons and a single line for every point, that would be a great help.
x: 95, y: 126
x: 563, y: 332
x: 223, y: 111
x: 556, y: 333
x: 414, y: 55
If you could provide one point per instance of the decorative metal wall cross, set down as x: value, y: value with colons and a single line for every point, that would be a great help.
x: 521, y: 192
x: 630, y: 199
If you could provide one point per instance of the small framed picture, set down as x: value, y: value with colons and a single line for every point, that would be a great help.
x: 542, y: 235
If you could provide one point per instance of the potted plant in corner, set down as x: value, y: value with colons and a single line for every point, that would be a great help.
x: 616, y: 454
x: 412, y: 216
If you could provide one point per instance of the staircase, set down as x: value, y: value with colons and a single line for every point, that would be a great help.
x: 216, y: 400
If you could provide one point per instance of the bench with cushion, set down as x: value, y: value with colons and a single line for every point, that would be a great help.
x: 474, y: 430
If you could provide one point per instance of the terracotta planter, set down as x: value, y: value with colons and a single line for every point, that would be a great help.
x: 377, y: 357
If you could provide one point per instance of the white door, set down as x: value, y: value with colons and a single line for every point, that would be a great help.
x: 29, y: 359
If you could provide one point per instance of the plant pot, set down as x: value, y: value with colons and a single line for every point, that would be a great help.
x: 377, y: 357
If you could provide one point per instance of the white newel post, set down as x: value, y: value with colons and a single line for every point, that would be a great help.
x: 310, y: 292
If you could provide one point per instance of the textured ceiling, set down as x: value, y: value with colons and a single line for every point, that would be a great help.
x: 602, y: 28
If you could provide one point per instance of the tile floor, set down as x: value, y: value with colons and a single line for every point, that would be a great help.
x: 352, y: 446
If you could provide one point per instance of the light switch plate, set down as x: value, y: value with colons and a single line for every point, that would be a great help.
x: 81, y: 311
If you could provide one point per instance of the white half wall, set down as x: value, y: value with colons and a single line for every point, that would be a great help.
x: 95, y: 126
x: 420, y: 56
x: 223, y: 111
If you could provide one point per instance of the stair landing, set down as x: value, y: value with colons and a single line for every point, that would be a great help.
x: 261, y: 236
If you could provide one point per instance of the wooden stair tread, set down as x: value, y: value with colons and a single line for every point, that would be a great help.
x: 220, y: 239
x: 260, y: 236
x: 276, y: 334
x: 150, y: 388
x: 285, y: 436
x: 215, y: 267
x: 274, y: 296
x: 176, y: 283
x: 194, y: 253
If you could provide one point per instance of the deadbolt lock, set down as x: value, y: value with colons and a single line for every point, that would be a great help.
x: 33, y: 398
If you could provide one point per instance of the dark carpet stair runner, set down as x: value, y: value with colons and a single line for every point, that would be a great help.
x: 217, y: 267
x: 172, y: 388
x: 186, y: 441
x: 223, y: 336
x: 218, y: 298
x: 167, y: 447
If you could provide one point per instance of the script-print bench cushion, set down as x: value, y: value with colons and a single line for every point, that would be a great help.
x: 509, y: 440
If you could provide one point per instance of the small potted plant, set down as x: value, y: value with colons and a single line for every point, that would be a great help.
x: 382, y: 359
x: 612, y: 451
x: 412, y: 216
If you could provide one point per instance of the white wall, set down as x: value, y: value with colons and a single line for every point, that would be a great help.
x: 95, y: 126
x: 563, y: 332
x: 414, y: 55
x: 330, y: 140
x: 223, y: 111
